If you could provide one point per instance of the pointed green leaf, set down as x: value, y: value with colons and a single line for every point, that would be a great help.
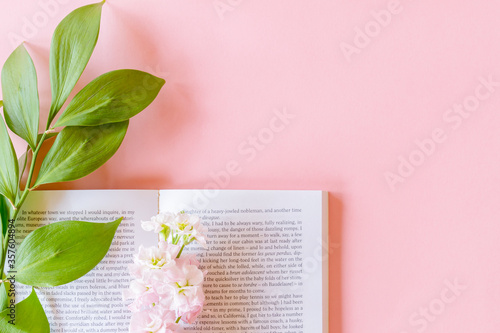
x: 29, y: 317
x: 4, y: 299
x: 1, y: 256
x: 5, y: 210
x: 74, y: 249
x: 112, y: 97
x: 4, y: 291
x: 9, y: 171
x: 20, y: 95
x: 78, y: 151
x: 72, y: 45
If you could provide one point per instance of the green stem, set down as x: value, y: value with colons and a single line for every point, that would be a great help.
x: 6, y: 239
x: 19, y: 203
x: 163, y: 235
x: 32, y: 168
x: 178, y: 320
x: 24, y: 168
x: 180, y: 251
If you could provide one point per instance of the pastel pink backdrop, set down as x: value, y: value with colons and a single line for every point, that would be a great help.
x: 394, y: 251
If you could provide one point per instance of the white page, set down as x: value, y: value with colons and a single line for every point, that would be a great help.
x: 94, y: 302
x: 266, y: 261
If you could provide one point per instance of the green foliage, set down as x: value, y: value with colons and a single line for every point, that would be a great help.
x: 29, y: 317
x: 5, y: 209
x: 72, y: 45
x: 9, y: 170
x: 4, y: 299
x: 4, y: 213
x: 75, y: 248
x: 20, y: 95
x: 95, y: 121
x: 79, y: 151
x: 112, y: 97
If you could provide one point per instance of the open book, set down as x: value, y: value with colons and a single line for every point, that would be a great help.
x: 266, y: 257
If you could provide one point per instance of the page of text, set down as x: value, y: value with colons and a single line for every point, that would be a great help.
x: 266, y: 259
x: 94, y: 302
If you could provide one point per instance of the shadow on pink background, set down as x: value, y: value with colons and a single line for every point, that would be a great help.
x: 414, y: 216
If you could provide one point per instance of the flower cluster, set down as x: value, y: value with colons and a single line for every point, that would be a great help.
x: 173, y: 227
x: 167, y: 285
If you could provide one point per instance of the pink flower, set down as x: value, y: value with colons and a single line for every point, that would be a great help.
x: 191, y: 315
x: 158, y: 223
x: 166, y: 288
x: 190, y: 303
x: 181, y: 227
x: 137, y: 288
x: 188, y: 298
x: 174, y: 328
x: 193, y: 276
x: 155, y: 320
x: 144, y: 301
x: 157, y: 256
x: 149, y: 261
x: 188, y: 259
x: 146, y: 322
x: 191, y: 227
x: 181, y: 275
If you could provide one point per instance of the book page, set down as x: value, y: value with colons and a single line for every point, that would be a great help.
x: 94, y: 302
x: 266, y: 259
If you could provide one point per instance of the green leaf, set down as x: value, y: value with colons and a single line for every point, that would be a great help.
x: 72, y: 45
x: 75, y: 248
x: 5, y: 209
x: 112, y: 97
x: 78, y: 151
x: 29, y: 317
x: 1, y: 257
x: 9, y: 171
x: 20, y: 94
x: 4, y: 299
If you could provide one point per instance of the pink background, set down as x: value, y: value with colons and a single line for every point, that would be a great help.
x: 395, y: 250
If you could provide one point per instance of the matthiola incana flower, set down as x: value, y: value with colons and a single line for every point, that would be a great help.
x: 180, y: 227
x: 154, y: 321
x: 167, y: 285
x: 158, y: 223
